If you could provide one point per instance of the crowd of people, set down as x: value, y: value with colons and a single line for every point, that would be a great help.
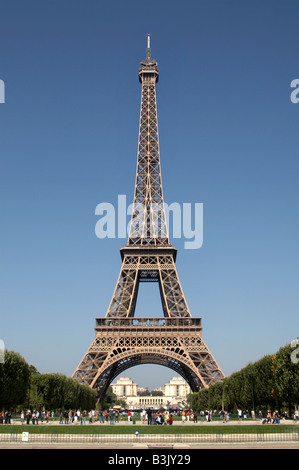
x: 82, y: 417
x: 5, y: 417
x: 149, y: 416
x: 35, y: 416
x: 156, y: 417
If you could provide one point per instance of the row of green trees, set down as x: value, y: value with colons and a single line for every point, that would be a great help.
x: 21, y: 386
x: 58, y: 392
x: 269, y: 383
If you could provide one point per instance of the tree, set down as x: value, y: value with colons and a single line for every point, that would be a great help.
x: 263, y: 383
x: 286, y: 373
x: 58, y: 392
x: 143, y: 393
x: 109, y: 399
x: 216, y: 396
x: 14, y: 380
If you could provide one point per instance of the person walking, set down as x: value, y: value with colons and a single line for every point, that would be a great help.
x: 111, y: 416
x: 66, y: 417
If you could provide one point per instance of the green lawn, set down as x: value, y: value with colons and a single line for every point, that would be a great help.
x: 145, y: 429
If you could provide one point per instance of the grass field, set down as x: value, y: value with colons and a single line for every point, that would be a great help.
x: 145, y: 429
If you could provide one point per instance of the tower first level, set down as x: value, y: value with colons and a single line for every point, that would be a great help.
x: 121, y: 343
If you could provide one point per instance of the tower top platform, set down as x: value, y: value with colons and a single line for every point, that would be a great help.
x: 149, y: 67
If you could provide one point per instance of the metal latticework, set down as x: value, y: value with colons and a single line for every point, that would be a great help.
x: 144, y: 265
x: 122, y: 341
x: 148, y: 225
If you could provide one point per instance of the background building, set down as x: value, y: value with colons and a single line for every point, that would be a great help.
x: 175, y: 394
x: 124, y: 387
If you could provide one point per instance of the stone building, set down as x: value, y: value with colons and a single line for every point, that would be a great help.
x: 174, y: 396
x: 124, y: 387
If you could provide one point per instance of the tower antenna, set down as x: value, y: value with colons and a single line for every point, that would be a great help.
x: 148, y: 54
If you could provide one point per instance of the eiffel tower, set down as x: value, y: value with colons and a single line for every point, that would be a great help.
x: 122, y: 340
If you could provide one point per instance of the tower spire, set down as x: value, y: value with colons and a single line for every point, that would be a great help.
x: 148, y: 51
x: 148, y: 222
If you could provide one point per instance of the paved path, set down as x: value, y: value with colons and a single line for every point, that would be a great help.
x: 160, y: 448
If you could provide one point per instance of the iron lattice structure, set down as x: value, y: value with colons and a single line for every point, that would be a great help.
x: 122, y: 340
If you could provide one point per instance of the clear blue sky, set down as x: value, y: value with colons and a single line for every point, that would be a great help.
x: 229, y: 138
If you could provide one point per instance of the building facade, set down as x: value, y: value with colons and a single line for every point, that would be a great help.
x: 174, y: 396
x: 124, y: 388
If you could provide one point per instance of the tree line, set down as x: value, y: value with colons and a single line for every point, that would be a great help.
x: 21, y: 386
x: 269, y: 383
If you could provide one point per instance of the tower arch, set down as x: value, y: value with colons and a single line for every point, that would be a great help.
x: 128, y: 359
